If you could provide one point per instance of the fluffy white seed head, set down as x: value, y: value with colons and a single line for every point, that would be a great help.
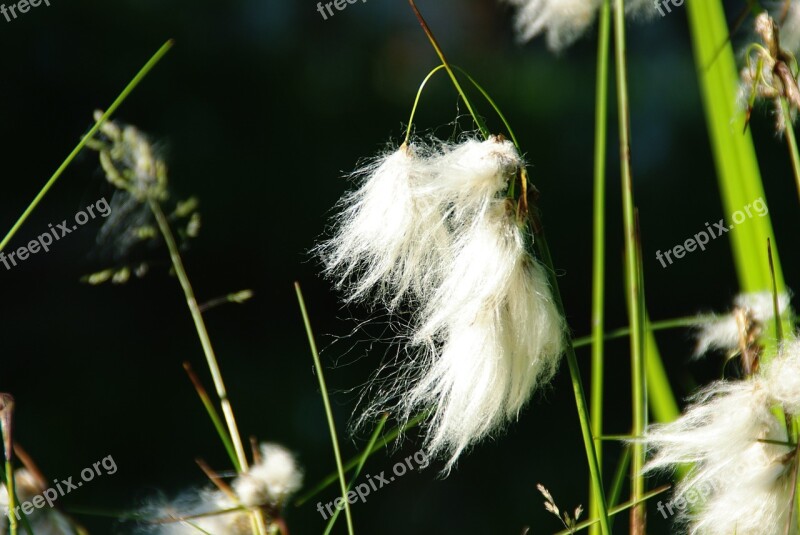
x: 741, y: 480
x: 782, y: 376
x: 564, y: 21
x: 484, y: 331
x: 267, y: 484
x: 491, y: 333
x: 723, y: 332
x: 271, y: 481
x: 388, y: 238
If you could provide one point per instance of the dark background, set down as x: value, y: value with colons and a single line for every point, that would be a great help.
x: 259, y: 110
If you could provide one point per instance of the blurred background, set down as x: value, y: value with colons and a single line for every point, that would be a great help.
x: 260, y: 109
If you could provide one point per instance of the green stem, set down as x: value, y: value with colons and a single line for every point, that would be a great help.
x: 110, y: 111
x: 598, y: 255
x: 12, y: 495
x: 580, y: 397
x: 632, y: 273
x: 359, y: 467
x: 177, y: 263
x: 326, y: 402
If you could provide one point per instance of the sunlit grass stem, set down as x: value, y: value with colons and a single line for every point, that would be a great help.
x: 599, y: 243
x: 327, y: 403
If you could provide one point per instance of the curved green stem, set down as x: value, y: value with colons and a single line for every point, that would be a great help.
x: 481, y: 124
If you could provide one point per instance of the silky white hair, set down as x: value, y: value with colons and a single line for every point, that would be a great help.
x: 44, y: 521
x: 484, y: 329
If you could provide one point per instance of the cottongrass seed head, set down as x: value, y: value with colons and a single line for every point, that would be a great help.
x: 741, y: 466
x: 484, y: 329
x: 565, y: 21
x: 267, y: 485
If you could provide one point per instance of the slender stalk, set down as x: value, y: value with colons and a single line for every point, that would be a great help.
x: 577, y: 387
x: 202, y: 333
x: 110, y: 111
x: 212, y: 412
x: 639, y: 404
x: 240, y: 461
x: 416, y: 101
x: 599, y: 244
x: 327, y: 403
x: 359, y: 467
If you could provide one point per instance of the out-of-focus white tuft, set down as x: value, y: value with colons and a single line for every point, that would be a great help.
x: 564, y: 21
x: 790, y: 29
x: 485, y: 330
x: 270, y: 481
x: 782, y: 375
x: 723, y: 332
x: 267, y: 485
x: 737, y: 483
x: 44, y: 521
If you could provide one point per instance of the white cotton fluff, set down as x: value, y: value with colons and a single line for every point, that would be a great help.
x: 790, y: 29
x: 484, y: 329
x: 782, y: 376
x: 743, y: 482
x: 491, y: 333
x: 564, y: 21
x: 388, y: 239
x: 44, y: 521
x: 270, y: 481
x: 267, y: 484
x: 722, y: 333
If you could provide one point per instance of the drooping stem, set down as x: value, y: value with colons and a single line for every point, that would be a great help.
x: 478, y: 120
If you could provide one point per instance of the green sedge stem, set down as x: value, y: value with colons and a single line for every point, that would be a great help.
x: 326, y: 402
x: 598, y: 254
x: 240, y: 461
x: 361, y: 463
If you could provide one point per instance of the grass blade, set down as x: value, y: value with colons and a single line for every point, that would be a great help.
x: 327, y: 403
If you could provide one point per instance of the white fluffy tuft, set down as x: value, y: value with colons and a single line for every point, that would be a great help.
x: 723, y: 332
x: 564, y: 21
x: 44, y: 521
x: 484, y: 330
x: 272, y: 480
x: 268, y: 484
x: 743, y: 482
